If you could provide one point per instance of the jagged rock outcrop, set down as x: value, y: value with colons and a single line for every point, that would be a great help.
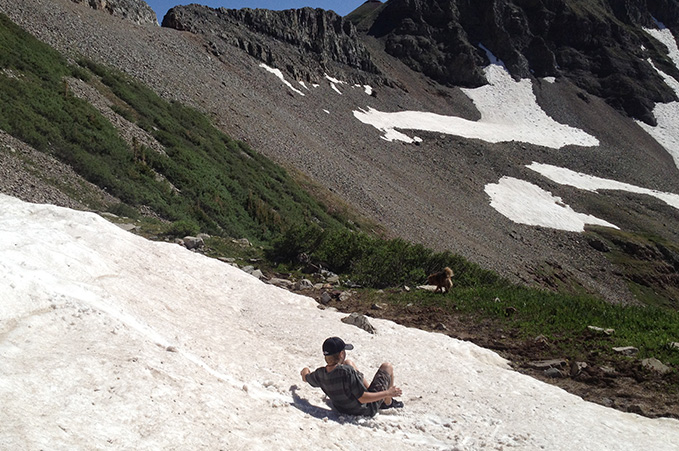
x: 137, y: 11
x: 598, y: 45
x: 313, y: 38
x: 430, y: 38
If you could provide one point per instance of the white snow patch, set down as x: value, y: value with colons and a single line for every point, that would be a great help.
x: 333, y: 80
x: 550, y: 79
x: 279, y: 74
x: 368, y: 89
x: 666, y: 114
x: 526, y: 203
x: 509, y: 112
x: 112, y: 341
x: 333, y: 83
x: 591, y: 183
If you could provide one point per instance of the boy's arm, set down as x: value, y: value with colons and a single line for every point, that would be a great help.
x: 369, y: 397
x: 305, y: 372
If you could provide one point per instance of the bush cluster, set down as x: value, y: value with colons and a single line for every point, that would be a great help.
x: 372, y: 261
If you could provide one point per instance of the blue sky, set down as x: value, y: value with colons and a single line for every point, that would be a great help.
x: 341, y: 7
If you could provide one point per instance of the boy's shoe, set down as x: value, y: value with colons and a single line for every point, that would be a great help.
x: 395, y: 404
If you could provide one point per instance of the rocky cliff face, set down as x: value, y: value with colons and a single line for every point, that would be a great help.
x: 135, y: 10
x: 598, y: 45
x: 321, y: 38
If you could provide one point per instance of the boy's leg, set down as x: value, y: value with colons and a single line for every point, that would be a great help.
x: 383, y: 380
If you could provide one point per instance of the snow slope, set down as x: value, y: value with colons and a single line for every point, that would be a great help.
x: 109, y: 341
x: 666, y: 114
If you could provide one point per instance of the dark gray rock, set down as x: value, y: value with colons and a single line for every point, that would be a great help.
x: 192, y: 242
x: 360, y: 321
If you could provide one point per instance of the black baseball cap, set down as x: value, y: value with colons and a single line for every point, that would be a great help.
x: 335, y: 345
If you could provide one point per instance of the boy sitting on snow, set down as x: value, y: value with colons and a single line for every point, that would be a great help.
x: 347, y: 388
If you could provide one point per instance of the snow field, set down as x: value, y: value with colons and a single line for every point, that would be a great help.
x: 109, y: 340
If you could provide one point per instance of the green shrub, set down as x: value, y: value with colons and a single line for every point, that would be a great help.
x: 372, y: 261
x: 300, y: 239
x: 123, y: 210
x: 182, y: 228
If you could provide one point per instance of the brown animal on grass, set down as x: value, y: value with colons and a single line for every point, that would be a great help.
x: 442, y: 280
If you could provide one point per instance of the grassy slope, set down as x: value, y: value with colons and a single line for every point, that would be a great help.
x: 207, y: 180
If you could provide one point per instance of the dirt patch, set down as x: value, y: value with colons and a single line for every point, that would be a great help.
x: 622, y: 384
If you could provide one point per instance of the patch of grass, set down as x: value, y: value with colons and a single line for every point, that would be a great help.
x: 562, y: 319
x: 649, y: 263
x: 241, y: 253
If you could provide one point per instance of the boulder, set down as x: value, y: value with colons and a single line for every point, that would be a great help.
x: 360, y: 321
x: 601, y: 330
x: 193, y: 242
x: 656, y: 365
x: 253, y: 272
x: 344, y: 296
x: 326, y: 298
x: 554, y: 373
x: 304, y: 284
x: 283, y: 283
x: 427, y: 287
x: 576, y: 368
x: 546, y: 364
x: 242, y: 242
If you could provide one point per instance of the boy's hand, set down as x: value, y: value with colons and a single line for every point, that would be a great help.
x: 304, y: 373
x: 394, y: 391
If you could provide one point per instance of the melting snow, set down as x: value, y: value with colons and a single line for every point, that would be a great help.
x: 333, y: 83
x: 112, y: 341
x: 666, y: 114
x: 509, y: 112
x: 279, y: 74
x: 592, y: 183
x: 526, y: 203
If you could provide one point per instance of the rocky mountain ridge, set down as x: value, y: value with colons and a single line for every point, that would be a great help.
x: 432, y: 192
x: 600, y: 47
x: 321, y: 37
x: 136, y: 11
